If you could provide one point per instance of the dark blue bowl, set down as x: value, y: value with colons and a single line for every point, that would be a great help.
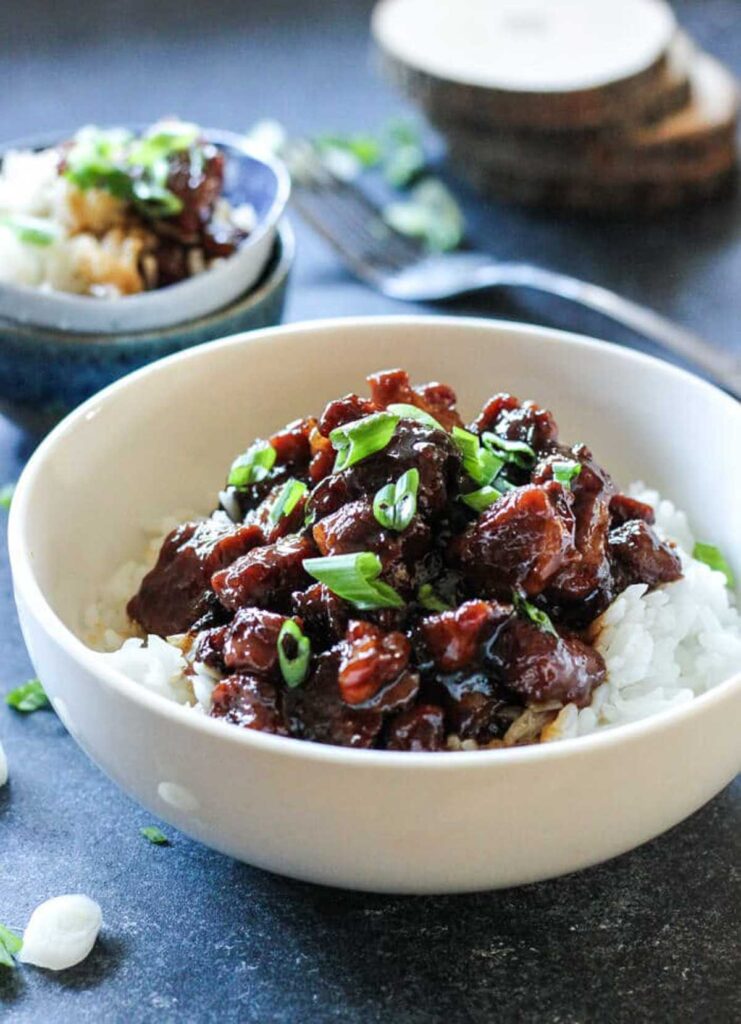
x: 44, y: 374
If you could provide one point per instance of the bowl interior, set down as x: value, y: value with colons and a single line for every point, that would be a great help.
x: 161, y: 440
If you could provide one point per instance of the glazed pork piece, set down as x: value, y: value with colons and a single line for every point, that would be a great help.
x: 382, y: 576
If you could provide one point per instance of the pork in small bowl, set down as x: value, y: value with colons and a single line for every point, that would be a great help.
x: 108, y: 230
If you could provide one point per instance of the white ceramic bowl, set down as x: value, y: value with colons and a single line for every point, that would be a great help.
x: 250, y: 177
x: 160, y: 440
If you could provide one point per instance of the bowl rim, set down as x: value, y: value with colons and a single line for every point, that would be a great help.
x: 276, y: 271
x: 219, y: 137
x: 28, y: 588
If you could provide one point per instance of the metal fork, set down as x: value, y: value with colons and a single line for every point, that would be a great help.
x: 399, y: 266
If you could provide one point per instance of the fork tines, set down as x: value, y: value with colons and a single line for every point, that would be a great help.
x: 344, y: 215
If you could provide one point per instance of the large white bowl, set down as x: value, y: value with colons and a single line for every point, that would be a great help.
x: 250, y: 176
x: 399, y: 822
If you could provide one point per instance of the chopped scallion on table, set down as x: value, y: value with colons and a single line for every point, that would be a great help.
x: 6, y: 495
x: 155, y: 836
x: 28, y: 697
x: 10, y: 946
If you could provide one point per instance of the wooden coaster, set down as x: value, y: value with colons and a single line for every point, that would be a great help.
x: 670, y: 94
x: 693, y: 143
x: 640, y: 197
x: 526, y: 63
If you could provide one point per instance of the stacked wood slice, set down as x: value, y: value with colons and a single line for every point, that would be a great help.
x: 592, y: 105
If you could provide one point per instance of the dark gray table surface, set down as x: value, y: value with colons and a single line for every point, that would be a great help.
x: 190, y: 935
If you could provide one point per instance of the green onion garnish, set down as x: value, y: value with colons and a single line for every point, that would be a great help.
x: 355, y: 579
x: 253, y: 466
x: 31, y: 230
x: 6, y: 495
x: 10, y: 946
x: 28, y: 697
x: 712, y: 556
x: 536, y: 616
x: 481, y: 464
x: 294, y: 651
x: 133, y: 170
x: 150, y: 149
x: 427, y: 597
x: 564, y: 472
x: 290, y: 495
x: 517, y: 452
x: 411, y: 412
x: 155, y: 836
x: 394, y: 505
x: 361, y: 438
x: 481, y: 499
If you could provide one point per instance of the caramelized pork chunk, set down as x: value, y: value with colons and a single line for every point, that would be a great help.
x: 176, y: 593
x: 522, y: 540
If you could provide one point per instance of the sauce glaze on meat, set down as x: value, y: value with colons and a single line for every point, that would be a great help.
x: 493, y: 626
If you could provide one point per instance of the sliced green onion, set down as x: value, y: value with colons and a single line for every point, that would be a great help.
x: 294, y: 652
x: 155, y: 836
x: 6, y: 495
x: 395, y: 505
x: 481, y: 499
x: 290, y: 495
x: 517, y: 452
x: 411, y: 412
x: 158, y: 200
x: 28, y: 697
x: 713, y: 557
x: 365, y: 149
x: 10, y: 946
x: 31, y: 230
x: 431, y: 214
x: 149, y: 150
x: 361, y: 438
x: 253, y: 466
x: 355, y: 579
x: 404, y: 157
x: 536, y: 616
x: 133, y: 170
x: 564, y: 472
x: 481, y: 464
x: 427, y: 597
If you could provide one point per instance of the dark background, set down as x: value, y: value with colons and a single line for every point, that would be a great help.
x: 190, y: 935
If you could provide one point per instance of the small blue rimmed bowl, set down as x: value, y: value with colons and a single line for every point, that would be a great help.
x: 45, y: 373
x: 250, y: 176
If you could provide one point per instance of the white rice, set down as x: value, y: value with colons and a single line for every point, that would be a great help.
x: 661, y: 648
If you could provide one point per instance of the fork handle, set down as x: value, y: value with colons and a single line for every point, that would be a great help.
x: 721, y: 366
